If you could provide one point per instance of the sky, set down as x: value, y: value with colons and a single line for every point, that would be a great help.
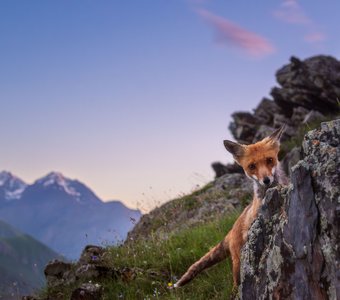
x: 134, y: 98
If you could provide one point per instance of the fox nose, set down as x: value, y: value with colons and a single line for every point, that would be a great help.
x: 266, y: 181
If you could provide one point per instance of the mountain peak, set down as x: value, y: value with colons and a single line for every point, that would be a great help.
x: 11, y: 185
x: 58, y: 179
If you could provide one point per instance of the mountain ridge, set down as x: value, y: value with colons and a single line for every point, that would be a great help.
x: 65, y: 214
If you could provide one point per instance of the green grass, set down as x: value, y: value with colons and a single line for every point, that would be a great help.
x: 162, y: 262
x: 159, y: 262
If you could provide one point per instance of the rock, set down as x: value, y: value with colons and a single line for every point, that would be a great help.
x: 312, y: 116
x: 244, y: 127
x: 291, y: 159
x: 309, y: 91
x: 221, y: 169
x: 299, y: 114
x: 262, y: 132
x: 88, y: 291
x: 313, y: 84
x: 292, y: 251
x: 59, y: 273
x: 91, y: 271
x: 266, y: 111
x: 92, y: 255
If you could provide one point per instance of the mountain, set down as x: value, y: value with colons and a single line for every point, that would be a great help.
x: 65, y: 214
x: 22, y: 261
x: 11, y: 187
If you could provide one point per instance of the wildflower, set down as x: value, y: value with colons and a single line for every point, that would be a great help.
x: 170, y: 284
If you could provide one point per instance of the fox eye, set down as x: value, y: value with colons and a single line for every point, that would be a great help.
x: 269, y: 160
x: 252, y: 167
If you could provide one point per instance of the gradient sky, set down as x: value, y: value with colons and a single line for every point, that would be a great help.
x: 134, y: 98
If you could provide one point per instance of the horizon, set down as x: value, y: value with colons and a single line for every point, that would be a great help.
x: 134, y: 100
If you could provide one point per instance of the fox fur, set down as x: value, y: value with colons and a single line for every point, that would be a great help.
x: 260, y: 163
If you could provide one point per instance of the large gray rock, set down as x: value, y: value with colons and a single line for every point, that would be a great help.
x: 293, y: 247
x: 313, y: 84
x: 309, y: 90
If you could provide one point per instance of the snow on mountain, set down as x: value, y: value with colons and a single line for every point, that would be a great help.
x: 11, y: 187
x: 56, y: 178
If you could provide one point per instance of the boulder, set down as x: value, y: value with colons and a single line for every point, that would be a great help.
x: 221, y: 169
x: 58, y: 273
x: 292, y: 251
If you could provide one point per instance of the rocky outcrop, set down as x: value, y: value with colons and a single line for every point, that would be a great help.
x: 309, y: 91
x: 293, y: 247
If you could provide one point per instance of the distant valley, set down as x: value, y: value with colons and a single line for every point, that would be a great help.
x: 63, y: 213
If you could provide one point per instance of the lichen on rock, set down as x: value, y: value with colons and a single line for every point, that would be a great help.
x: 293, y: 248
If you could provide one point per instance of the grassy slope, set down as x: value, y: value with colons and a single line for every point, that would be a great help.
x: 160, y: 262
x: 170, y: 259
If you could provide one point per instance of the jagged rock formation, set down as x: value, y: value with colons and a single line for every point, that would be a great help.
x: 293, y: 247
x: 310, y: 91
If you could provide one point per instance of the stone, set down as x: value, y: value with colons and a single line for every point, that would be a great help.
x: 309, y: 90
x: 92, y: 255
x: 313, y: 84
x: 88, y: 291
x: 291, y: 159
x: 312, y: 116
x: 58, y: 273
x: 266, y: 110
x: 292, y: 251
x: 221, y: 169
x: 244, y: 127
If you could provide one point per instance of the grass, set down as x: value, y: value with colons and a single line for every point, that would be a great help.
x: 159, y: 263
x: 146, y: 268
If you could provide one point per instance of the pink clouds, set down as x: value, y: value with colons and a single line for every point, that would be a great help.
x: 231, y: 34
x: 314, y: 37
x: 291, y: 12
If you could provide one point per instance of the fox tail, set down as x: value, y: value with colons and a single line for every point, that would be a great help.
x: 214, y: 256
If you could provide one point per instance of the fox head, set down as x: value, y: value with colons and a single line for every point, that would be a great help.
x: 260, y: 160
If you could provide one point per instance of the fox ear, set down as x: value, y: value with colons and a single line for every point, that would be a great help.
x: 276, y: 135
x: 237, y: 150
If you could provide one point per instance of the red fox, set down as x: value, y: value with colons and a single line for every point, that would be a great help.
x: 260, y: 163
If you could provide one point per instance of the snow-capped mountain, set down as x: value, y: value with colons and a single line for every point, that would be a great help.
x: 57, y: 180
x: 63, y: 213
x: 11, y: 187
x: 73, y: 188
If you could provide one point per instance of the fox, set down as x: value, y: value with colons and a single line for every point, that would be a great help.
x: 260, y: 163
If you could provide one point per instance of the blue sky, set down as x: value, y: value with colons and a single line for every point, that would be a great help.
x: 134, y: 97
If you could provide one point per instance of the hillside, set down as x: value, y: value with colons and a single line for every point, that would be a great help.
x: 170, y: 238
x: 22, y: 261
